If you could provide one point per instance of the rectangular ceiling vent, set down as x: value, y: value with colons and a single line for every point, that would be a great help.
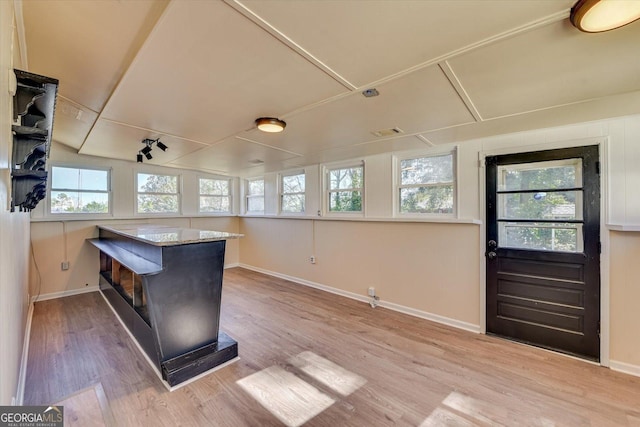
x: 388, y: 132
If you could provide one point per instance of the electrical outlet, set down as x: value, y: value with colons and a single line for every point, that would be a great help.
x: 312, y: 259
x: 64, y: 265
x: 371, y: 291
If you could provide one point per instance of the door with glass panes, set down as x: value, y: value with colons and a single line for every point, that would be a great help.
x: 543, y: 249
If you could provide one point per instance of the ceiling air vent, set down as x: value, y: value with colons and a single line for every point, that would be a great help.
x: 256, y: 162
x: 387, y: 132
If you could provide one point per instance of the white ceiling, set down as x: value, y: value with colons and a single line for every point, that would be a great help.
x: 198, y: 73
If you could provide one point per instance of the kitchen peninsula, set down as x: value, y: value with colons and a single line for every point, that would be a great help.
x: 165, y: 284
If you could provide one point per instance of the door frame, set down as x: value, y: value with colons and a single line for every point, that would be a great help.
x: 603, y: 152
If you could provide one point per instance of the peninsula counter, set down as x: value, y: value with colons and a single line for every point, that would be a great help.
x: 165, y: 284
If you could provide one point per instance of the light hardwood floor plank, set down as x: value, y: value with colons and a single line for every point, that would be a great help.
x: 401, y: 370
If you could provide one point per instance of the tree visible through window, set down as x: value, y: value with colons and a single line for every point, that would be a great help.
x: 426, y: 185
x: 345, y: 189
x: 534, y: 202
x: 293, y: 193
x: 215, y: 195
x: 255, y: 195
x: 79, y: 191
x: 157, y: 193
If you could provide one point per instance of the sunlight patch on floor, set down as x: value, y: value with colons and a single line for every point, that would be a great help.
x: 458, y: 409
x: 291, y: 399
x: 328, y: 373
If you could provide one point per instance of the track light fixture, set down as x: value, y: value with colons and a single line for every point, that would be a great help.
x: 148, y: 146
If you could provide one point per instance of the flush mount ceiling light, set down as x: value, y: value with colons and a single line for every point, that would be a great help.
x: 270, y: 124
x: 594, y: 16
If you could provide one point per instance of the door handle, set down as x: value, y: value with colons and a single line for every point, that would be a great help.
x: 492, y: 243
x: 491, y: 255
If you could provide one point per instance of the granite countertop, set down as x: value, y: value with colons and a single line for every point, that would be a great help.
x: 161, y: 235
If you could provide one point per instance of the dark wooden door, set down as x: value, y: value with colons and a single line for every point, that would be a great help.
x: 543, y: 249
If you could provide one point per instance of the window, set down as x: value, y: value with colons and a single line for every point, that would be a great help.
x: 158, y: 193
x: 540, y: 206
x: 215, y: 195
x: 426, y: 185
x: 79, y: 191
x: 344, y: 187
x: 292, y: 193
x: 255, y: 196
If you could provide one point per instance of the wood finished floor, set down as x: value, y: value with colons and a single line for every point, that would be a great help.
x: 406, y: 371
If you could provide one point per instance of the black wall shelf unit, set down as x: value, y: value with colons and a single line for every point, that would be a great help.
x: 33, y: 110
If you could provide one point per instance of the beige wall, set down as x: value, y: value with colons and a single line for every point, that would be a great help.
x: 431, y: 267
x: 57, y: 241
x: 625, y: 297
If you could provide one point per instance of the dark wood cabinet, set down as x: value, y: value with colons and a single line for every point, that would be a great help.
x: 165, y: 284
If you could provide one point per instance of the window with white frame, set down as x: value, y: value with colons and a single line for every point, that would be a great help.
x: 255, y: 196
x: 215, y: 195
x: 292, y: 193
x: 79, y: 190
x: 344, y: 188
x: 157, y: 193
x: 426, y: 185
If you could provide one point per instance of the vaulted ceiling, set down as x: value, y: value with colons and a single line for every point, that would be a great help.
x: 197, y: 73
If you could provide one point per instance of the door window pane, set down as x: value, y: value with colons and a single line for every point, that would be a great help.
x: 550, y: 175
x: 560, y: 237
x: 556, y: 205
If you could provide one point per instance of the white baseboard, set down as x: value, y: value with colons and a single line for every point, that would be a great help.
x: 22, y: 375
x: 62, y: 294
x: 626, y: 368
x: 381, y: 303
x: 233, y: 265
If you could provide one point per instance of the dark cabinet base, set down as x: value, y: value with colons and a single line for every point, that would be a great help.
x: 186, y: 366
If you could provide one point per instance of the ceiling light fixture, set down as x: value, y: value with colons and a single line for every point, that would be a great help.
x: 594, y: 16
x: 270, y: 124
x: 148, y: 146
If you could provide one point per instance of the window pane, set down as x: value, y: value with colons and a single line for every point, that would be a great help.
x: 293, y: 202
x: 293, y: 184
x: 345, y: 201
x: 541, y: 176
x: 79, y: 202
x: 541, y: 236
x: 561, y: 205
x: 255, y: 204
x: 157, y: 183
x: 214, y: 204
x: 79, y: 179
x: 434, y: 199
x: 152, y: 203
x: 256, y: 187
x: 345, y: 178
x: 427, y: 170
x: 218, y: 187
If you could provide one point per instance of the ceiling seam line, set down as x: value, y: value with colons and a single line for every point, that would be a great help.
x: 468, y: 48
x: 288, y: 42
x: 461, y: 91
x: 434, y: 61
x: 241, y: 138
x: 118, y: 84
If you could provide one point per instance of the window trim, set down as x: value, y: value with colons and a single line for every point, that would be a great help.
x: 326, y: 190
x: 50, y: 189
x: 136, y: 193
x: 247, y: 196
x: 229, y: 196
x: 281, y: 192
x: 397, y: 186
